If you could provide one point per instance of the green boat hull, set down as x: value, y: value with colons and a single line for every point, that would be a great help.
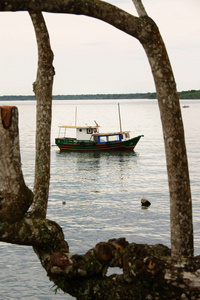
x: 66, y: 144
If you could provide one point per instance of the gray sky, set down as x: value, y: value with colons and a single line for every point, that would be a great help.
x: 92, y: 57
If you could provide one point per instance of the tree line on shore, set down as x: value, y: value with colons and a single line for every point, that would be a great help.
x: 191, y: 94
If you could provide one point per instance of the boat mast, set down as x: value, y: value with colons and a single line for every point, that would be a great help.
x: 120, y: 123
x: 75, y: 115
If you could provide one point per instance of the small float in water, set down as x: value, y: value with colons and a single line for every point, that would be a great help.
x: 145, y: 203
x: 88, y: 138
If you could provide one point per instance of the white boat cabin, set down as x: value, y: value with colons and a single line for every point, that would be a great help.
x: 91, y: 133
x: 82, y: 132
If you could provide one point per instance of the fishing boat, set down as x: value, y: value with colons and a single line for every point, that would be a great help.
x: 88, y: 138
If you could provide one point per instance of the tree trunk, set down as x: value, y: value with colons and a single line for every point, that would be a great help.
x: 43, y: 93
x: 15, y: 197
x: 173, y: 132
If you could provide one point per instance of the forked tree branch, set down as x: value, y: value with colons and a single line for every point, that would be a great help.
x: 146, y: 31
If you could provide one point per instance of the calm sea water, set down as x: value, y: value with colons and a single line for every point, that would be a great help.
x: 102, y: 191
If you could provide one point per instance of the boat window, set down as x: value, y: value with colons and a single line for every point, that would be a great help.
x: 112, y: 138
x: 89, y: 130
x: 80, y: 130
x: 102, y: 139
x: 127, y: 135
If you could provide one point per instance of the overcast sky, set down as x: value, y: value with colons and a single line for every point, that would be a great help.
x: 92, y: 57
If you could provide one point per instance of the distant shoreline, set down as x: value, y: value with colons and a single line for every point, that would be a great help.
x: 192, y: 94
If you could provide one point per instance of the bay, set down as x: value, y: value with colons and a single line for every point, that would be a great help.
x: 101, y: 191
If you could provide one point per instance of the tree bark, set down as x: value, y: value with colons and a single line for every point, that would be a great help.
x: 145, y: 272
x: 15, y: 197
x: 140, y: 8
x: 148, y: 272
x: 39, y: 233
x: 43, y: 92
x: 173, y: 132
x: 93, y: 8
x: 145, y: 30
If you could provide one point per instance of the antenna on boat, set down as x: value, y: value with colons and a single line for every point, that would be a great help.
x: 75, y: 115
x: 96, y: 123
x: 120, y: 123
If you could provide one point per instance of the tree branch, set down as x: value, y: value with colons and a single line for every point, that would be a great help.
x: 174, y: 139
x: 140, y: 8
x: 92, y: 8
x: 43, y: 93
x: 146, y: 31
x: 40, y: 233
x: 147, y: 271
x: 15, y: 196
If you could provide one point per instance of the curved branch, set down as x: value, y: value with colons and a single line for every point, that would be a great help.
x: 146, y: 270
x: 174, y: 139
x: 43, y: 92
x: 39, y: 233
x: 146, y: 31
x: 93, y: 8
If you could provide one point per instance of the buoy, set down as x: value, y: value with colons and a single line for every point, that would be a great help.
x: 145, y: 202
x: 64, y: 202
